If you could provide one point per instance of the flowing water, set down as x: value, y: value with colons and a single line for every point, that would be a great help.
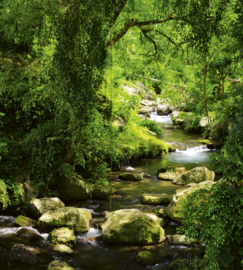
x: 91, y: 253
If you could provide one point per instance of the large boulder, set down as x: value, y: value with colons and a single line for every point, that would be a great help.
x: 196, y: 175
x: 173, y: 210
x: 77, y: 219
x: 58, y: 265
x: 156, y: 198
x: 132, y: 226
x: 101, y: 191
x: 38, y: 207
x: 145, y: 257
x: 164, y: 109
x: 170, y: 172
x: 131, y: 176
x: 63, y: 236
x: 73, y: 189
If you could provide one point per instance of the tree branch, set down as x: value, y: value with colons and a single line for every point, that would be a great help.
x: 233, y: 80
x: 134, y: 22
x: 118, y: 11
x: 149, y: 38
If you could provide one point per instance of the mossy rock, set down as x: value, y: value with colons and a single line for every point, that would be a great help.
x: 58, y: 265
x: 22, y: 221
x: 181, y: 240
x: 196, y: 175
x: 131, y: 176
x: 101, y: 191
x: 77, y: 219
x: 132, y: 226
x: 63, y: 249
x: 173, y: 210
x: 146, y: 257
x: 155, y: 199
x: 63, y: 236
x: 38, y: 207
x: 205, y: 141
x: 170, y: 172
x: 73, y: 189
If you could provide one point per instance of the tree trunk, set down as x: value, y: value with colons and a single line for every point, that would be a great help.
x: 205, y: 71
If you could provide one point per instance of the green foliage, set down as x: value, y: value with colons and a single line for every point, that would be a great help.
x: 153, y: 126
x: 217, y: 222
x: 4, y: 197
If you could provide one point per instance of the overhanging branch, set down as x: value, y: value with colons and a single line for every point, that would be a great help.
x: 134, y: 22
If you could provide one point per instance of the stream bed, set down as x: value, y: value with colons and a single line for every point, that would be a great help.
x: 91, y: 253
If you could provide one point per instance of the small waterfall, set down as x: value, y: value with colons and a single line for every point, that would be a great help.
x: 201, y: 148
x: 5, y: 231
x: 161, y: 119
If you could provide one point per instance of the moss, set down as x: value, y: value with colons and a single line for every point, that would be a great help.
x: 155, y: 199
x: 25, y: 222
x: 132, y: 226
x: 146, y: 257
x: 77, y: 219
x: 175, y: 207
x: 205, y: 141
x: 63, y: 236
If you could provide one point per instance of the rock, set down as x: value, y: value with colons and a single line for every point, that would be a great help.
x: 164, y: 109
x: 146, y: 257
x: 38, y: 207
x: 119, y: 122
x: 77, y: 219
x: 22, y: 253
x: 156, y: 198
x: 129, y: 168
x: 145, y: 110
x: 58, y: 265
x: 196, y: 175
x: 63, y: 236
x: 177, y: 118
x: 132, y: 226
x: 75, y: 189
x: 175, y: 206
x: 151, y: 132
x: 146, y: 175
x: 63, y: 249
x: 181, y: 240
x: 147, y: 103
x: 147, y: 115
x: 22, y: 221
x: 101, y: 192
x: 170, y: 172
x: 204, y: 122
x: 29, y: 235
x: 131, y: 176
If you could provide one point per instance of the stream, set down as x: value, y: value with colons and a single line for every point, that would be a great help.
x: 91, y: 253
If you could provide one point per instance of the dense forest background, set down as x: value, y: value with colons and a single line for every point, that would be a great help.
x: 63, y: 65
